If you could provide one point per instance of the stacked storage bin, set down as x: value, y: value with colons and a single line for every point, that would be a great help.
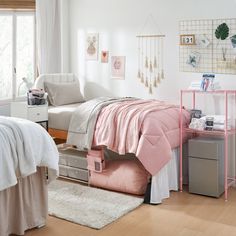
x: 73, y: 163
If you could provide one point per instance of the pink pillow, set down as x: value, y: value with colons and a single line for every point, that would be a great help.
x: 127, y: 176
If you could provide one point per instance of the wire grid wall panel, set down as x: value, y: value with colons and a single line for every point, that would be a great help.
x: 208, y: 49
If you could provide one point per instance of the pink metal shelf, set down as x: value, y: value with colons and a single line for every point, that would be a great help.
x: 209, y: 132
x: 208, y: 92
x: 225, y: 133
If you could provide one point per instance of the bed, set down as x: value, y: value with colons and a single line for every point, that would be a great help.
x: 29, y: 161
x: 25, y: 205
x: 163, y: 146
x: 58, y: 116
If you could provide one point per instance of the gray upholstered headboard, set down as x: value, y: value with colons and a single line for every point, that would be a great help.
x: 54, y: 78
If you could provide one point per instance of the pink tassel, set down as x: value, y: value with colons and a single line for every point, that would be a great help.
x: 146, y: 63
x: 150, y: 67
x: 155, y: 62
x: 162, y: 74
x: 150, y: 88
x: 139, y: 74
x: 158, y: 78
x: 142, y: 78
x: 155, y: 82
x: 146, y: 82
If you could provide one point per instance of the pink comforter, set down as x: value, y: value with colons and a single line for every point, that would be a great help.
x: 147, y: 128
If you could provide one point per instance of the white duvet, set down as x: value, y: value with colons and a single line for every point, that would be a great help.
x: 24, y: 145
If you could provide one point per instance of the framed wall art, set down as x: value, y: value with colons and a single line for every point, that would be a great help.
x: 193, y: 59
x: 91, y: 50
x: 118, y: 67
x: 104, y: 56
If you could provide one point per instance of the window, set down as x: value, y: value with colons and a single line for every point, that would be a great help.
x: 17, y: 4
x: 17, y: 53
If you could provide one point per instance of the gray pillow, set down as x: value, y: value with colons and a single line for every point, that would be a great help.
x: 63, y: 93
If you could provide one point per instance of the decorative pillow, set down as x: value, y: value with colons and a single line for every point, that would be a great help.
x: 128, y: 176
x: 63, y: 93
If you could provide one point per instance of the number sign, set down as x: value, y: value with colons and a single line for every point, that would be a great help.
x: 187, y: 39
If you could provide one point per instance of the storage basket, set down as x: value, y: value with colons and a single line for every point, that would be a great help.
x: 95, y: 159
x: 36, y: 97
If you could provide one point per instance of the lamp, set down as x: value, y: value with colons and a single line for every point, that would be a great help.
x: 27, y: 85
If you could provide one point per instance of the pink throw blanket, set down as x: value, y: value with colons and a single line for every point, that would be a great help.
x: 147, y: 128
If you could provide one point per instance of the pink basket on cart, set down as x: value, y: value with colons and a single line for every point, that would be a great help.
x: 95, y: 159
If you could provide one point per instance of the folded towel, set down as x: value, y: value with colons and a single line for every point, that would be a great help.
x: 220, y: 127
x: 197, y: 124
x: 218, y: 119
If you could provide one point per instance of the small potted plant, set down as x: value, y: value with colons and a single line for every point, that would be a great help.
x: 222, y: 33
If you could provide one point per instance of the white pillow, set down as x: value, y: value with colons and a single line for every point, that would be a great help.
x: 63, y: 93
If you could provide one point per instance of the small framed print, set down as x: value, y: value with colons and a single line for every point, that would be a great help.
x: 233, y: 41
x: 202, y: 41
x: 187, y: 39
x: 193, y: 59
x: 118, y: 67
x: 92, y: 47
x: 104, y: 56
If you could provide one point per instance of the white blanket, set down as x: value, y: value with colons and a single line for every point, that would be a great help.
x: 24, y: 145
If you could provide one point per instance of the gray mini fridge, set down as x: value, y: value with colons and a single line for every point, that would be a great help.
x: 206, y: 166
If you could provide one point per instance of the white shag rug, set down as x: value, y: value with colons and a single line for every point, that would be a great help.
x: 88, y: 206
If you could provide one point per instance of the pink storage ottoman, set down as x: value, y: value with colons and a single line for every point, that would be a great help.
x: 127, y: 176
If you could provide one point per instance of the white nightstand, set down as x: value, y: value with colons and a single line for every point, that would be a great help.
x: 35, y: 113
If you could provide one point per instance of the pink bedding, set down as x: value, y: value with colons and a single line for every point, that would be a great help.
x: 147, y: 128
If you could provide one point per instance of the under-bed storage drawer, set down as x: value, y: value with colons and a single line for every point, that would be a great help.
x: 72, y: 163
x: 62, y: 160
x: 72, y: 157
x: 76, y: 173
x: 79, y: 162
x: 63, y: 170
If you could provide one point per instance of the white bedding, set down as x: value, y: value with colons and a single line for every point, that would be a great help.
x: 24, y: 145
x: 165, y: 180
x: 59, y: 116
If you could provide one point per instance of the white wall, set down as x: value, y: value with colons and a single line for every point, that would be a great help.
x: 119, y: 21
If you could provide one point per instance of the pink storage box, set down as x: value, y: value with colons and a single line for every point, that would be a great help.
x: 95, y: 160
x: 127, y: 176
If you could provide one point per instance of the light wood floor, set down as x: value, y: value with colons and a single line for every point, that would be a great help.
x: 183, y: 214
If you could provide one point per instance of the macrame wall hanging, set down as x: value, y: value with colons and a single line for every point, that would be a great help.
x: 150, y: 58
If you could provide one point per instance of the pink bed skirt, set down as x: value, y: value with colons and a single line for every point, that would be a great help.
x: 25, y: 205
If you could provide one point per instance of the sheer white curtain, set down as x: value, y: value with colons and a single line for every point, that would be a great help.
x: 48, y: 25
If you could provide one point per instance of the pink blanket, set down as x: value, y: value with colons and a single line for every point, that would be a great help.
x: 147, y: 128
